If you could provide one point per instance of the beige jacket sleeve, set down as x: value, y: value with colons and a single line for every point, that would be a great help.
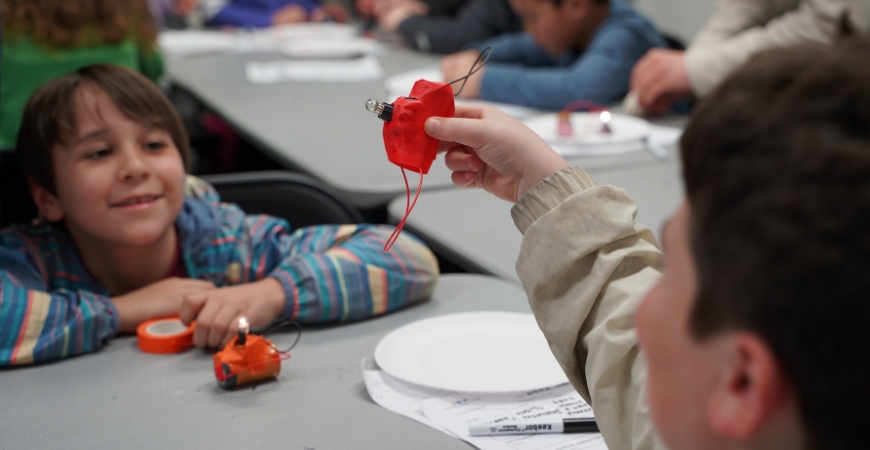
x: 740, y: 28
x: 585, y: 265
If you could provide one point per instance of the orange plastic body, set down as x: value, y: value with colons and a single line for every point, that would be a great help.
x: 237, y: 365
x: 173, y: 343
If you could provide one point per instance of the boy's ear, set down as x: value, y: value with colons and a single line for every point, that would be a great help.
x: 753, y: 390
x: 46, y: 202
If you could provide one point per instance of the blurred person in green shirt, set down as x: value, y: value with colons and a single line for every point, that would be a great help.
x: 43, y: 39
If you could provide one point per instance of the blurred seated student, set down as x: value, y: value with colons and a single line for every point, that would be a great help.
x: 124, y: 235
x: 43, y: 39
x: 171, y: 13
x: 572, y: 50
x: 749, y: 330
x: 426, y: 30
x: 737, y: 30
x: 265, y: 13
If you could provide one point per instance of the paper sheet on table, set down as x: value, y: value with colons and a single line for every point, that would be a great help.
x: 180, y: 44
x: 400, y: 85
x: 269, y: 72
x: 451, y: 412
x: 399, y: 397
x: 308, y: 40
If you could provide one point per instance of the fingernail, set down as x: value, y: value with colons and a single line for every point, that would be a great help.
x: 432, y: 126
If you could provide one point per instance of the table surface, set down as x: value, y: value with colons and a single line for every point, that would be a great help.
x: 323, y: 129
x: 474, y: 229
x: 123, y: 398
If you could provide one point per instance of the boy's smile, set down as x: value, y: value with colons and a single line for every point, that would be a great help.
x: 118, y: 181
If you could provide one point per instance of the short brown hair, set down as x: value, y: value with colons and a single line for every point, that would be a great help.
x: 76, y: 23
x: 777, y: 171
x: 49, y: 117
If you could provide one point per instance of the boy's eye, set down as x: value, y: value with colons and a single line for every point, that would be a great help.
x: 155, y: 145
x: 99, y: 154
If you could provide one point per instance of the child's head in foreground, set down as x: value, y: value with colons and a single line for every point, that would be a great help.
x: 104, y: 152
x: 756, y: 335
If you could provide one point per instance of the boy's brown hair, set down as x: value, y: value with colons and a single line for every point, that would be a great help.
x: 777, y: 169
x: 49, y: 117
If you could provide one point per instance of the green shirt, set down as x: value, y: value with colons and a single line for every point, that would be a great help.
x: 26, y: 65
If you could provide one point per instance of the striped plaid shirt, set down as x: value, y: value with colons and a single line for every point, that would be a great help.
x: 51, y: 307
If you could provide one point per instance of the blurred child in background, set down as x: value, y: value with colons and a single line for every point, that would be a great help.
x: 427, y: 29
x: 265, y: 13
x: 43, y: 39
x: 737, y: 30
x: 572, y: 50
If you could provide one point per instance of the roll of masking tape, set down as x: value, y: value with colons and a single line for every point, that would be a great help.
x: 167, y: 335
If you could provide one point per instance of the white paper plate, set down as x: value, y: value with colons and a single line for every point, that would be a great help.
x: 331, y: 48
x: 627, y: 133
x: 471, y: 352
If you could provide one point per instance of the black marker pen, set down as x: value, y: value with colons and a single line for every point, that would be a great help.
x: 584, y: 425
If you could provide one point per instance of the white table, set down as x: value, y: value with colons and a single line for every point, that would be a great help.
x: 323, y: 129
x: 474, y: 229
x: 121, y: 398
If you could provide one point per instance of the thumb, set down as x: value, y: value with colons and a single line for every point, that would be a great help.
x: 191, y: 305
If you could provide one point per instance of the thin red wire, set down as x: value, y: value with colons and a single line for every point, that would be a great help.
x: 408, y: 207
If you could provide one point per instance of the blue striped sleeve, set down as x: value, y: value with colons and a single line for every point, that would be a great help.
x: 337, y: 273
x: 37, y: 325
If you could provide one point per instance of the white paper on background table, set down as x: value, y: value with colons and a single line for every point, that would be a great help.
x: 269, y: 72
x: 305, y: 40
x: 627, y: 134
x: 452, y: 412
x: 481, y: 351
x: 400, y: 86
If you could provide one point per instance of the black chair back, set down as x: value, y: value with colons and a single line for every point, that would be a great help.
x: 297, y: 198
x: 16, y: 206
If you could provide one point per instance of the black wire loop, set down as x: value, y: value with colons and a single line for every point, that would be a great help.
x: 283, y: 324
x: 482, y: 58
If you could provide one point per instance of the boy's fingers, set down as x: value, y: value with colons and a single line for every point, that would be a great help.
x: 469, y: 111
x: 463, y: 179
x: 191, y: 305
x: 460, y: 161
x: 204, y: 323
x: 225, y: 320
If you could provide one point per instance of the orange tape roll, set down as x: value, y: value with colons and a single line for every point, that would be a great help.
x: 167, y: 335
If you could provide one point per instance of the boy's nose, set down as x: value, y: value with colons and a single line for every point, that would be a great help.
x: 133, y: 166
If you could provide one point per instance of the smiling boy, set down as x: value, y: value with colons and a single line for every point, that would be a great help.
x: 753, y: 320
x: 125, y: 236
x: 571, y: 50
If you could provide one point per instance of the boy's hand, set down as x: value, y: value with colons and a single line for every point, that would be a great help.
x: 491, y: 150
x: 458, y: 65
x: 659, y: 79
x: 217, y: 312
x: 160, y: 299
x: 289, y: 14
